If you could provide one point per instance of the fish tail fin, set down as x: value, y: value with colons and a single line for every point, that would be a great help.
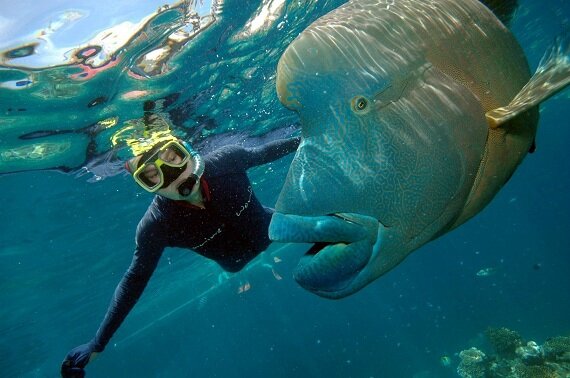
x: 503, y: 9
x: 551, y: 76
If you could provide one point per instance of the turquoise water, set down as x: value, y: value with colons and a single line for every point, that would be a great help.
x: 70, y: 214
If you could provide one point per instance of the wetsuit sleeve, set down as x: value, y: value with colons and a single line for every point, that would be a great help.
x: 129, y: 290
x: 271, y: 151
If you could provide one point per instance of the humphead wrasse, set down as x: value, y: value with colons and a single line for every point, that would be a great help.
x: 414, y: 114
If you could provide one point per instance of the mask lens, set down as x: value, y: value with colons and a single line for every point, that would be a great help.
x: 149, y: 176
x: 174, y: 155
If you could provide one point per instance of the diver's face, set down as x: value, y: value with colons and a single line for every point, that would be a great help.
x: 152, y: 175
x: 171, y: 191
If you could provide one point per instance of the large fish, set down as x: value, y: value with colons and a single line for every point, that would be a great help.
x: 414, y: 114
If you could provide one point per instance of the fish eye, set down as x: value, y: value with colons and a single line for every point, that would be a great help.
x: 360, y: 104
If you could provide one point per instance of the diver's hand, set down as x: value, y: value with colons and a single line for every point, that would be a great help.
x: 76, y: 360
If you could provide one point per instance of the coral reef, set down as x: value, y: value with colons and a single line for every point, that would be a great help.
x: 504, y: 341
x: 531, y: 353
x: 472, y: 364
x: 557, y: 348
x: 514, y: 358
x: 535, y: 371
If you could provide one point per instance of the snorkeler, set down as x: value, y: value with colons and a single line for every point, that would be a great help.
x: 203, y: 204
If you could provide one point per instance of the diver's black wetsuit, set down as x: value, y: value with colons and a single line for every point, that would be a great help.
x: 231, y: 230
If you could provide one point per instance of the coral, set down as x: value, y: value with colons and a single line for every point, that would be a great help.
x: 531, y: 353
x: 500, y: 369
x: 472, y: 355
x: 557, y: 349
x: 504, y: 341
x: 515, y: 359
x: 534, y: 371
x: 472, y: 364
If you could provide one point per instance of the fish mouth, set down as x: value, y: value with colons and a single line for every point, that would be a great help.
x: 343, y: 247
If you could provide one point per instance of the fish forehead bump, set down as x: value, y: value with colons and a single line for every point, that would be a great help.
x: 334, y: 44
x: 342, y: 43
x: 382, y: 38
x: 394, y: 29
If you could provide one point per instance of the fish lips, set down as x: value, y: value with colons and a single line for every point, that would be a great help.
x: 344, y: 245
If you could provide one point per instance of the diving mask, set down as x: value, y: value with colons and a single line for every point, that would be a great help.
x: 166, y: 164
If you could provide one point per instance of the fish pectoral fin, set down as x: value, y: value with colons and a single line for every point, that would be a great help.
x: 551, y: 76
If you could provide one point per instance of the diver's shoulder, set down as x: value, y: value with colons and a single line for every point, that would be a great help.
x: 225, y: 151
x: 224, y: 158
x: 155, y: 211
x: 153, y: 219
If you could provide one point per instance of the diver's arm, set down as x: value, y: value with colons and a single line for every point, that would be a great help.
x: 128, y: 292
x: 271, y: 151
x: 126, y: 295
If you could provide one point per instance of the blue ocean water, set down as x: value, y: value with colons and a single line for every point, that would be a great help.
x: 69, y: 223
